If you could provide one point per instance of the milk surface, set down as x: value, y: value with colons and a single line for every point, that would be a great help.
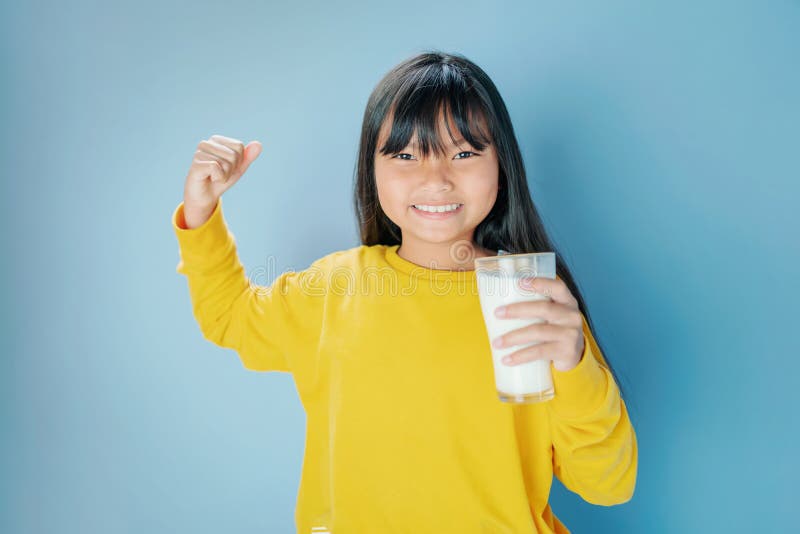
x: 514, y: 382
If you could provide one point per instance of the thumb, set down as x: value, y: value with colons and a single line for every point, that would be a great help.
x: 251, y: 152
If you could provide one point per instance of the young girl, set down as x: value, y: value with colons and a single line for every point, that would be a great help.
x: 386, y: 341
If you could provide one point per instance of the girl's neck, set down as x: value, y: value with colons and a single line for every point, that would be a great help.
x: 456, y: 256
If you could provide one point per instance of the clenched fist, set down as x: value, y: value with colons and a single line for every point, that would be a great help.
x: 218, y: 163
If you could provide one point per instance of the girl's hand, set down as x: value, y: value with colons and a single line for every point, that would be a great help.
x: 561, y: 335
x: 218, y: 163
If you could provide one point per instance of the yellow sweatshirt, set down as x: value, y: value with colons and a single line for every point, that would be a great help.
x: 405, y: 432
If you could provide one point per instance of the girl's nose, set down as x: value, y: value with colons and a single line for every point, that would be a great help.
x: 437, y: 178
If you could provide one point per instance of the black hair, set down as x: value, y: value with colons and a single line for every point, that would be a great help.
x: 413, y: 94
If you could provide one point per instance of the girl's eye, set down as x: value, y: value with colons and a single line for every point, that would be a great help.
x: 400, y: 155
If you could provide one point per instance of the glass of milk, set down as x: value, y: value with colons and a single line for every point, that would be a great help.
x: 498, y: 280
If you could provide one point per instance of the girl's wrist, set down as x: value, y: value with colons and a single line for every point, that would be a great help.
x: 195, y: 216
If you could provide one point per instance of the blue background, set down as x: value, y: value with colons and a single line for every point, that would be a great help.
x: 662, y: 146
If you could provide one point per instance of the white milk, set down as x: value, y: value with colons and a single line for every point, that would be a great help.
x: 524, y: 382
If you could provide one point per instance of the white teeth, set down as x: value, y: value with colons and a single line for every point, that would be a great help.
x: 437, y: 209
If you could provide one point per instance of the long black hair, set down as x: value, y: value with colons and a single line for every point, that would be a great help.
x: 414, y: 93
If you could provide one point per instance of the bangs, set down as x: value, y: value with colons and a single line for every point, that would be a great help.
x: 420, y: 103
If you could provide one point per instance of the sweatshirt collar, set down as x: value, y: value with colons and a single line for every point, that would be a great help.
x: 418, y: 271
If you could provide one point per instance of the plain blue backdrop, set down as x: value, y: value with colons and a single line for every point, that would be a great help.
x: 661, y: 142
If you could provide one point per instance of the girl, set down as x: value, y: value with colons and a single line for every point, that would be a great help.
x: 386, y: 342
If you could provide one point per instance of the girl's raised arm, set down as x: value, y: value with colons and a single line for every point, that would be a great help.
x: 267, y: 325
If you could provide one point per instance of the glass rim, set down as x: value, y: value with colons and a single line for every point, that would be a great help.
x: 500, y: 257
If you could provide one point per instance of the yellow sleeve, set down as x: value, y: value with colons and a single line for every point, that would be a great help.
x: 594, y: 444
x: 267, y: 326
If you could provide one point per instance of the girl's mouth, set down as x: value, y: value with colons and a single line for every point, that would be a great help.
x: 438, y: 215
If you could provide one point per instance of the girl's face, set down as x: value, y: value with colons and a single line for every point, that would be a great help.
x: 463, y: 176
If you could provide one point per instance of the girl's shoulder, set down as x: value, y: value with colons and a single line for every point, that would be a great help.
x: 354, y: 257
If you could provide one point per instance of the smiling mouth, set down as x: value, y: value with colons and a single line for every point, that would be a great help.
x: 444, y: 214
x: 441, y: 208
